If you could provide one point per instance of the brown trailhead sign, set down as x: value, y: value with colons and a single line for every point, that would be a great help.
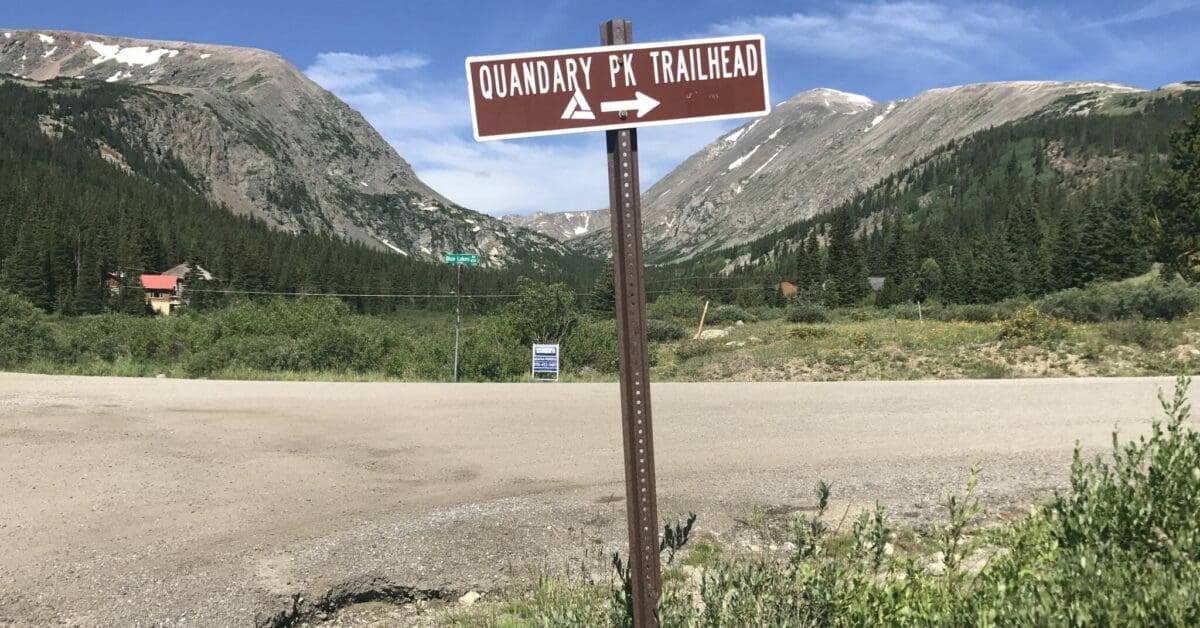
x: 611, y: 87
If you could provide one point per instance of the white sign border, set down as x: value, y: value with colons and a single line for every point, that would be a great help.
x: 625, y: 124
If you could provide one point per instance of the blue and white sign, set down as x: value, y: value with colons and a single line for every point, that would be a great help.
x: 545, y: 360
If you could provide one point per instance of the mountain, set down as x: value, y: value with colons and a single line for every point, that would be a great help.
x: 561, y: 226
x: 1068, y: 195
x: 813, y: 152
x: 265, y: 141
x: 82, y: 205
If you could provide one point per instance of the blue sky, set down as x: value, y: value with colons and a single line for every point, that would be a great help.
x: 401, y: 63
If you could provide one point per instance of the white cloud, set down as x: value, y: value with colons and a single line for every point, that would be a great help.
x: 912, y: 36
x: 1151, y: 10
x: 428, y: 123
x: 563, y: 174
x: 345, y: 70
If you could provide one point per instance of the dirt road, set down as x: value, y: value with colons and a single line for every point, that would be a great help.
x: 133, y: 501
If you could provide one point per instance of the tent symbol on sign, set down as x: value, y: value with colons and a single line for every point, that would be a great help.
x: 578, y: 108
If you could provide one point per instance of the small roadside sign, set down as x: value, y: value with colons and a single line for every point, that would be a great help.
x: 617, y: 87
x: 469, y: 259
x: 545, y: 361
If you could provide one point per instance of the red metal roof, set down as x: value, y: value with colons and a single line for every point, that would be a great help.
x: 159, y: 282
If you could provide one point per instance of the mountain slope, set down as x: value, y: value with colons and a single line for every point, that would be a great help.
x: 1051, y: 201
x: 561, y: 226
x: 264, y: 140
x: 814, y: 151
x: 73, y: 218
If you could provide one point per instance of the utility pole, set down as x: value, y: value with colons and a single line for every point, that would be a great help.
x: 457, y: 315
x: 641, y: 499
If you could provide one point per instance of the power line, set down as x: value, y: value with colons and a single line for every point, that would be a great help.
x: 353, y: 295
x: 451, y: 295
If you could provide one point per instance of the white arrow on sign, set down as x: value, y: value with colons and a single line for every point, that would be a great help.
x: 641, y: 102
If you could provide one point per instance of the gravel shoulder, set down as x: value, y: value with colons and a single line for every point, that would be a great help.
x: 138, y: 502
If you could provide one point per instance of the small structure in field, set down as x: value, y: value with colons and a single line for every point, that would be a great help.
x: 164, y: 293
x: 877, y: 283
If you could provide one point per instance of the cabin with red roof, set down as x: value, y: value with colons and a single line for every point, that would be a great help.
x: 163, y: 293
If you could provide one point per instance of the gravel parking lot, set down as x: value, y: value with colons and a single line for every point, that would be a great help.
x: 134, y: 502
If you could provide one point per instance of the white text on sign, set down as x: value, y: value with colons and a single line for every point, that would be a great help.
x: 506, y: 79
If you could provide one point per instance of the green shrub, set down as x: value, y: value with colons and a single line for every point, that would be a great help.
x: 1029, y: 325
x: 592, y: 344
x: 543, y: 313
x: 676, y: 305
x: 861, y: 314
x: 807, y: 313
x: 23, y: 330
x: 1150, y: 335
x: 724, y: 314
x: 1120, y: 548
x: 971, y: 313
x: 663, y: 331
x: 767, y: 313
x: 689, y: 349
x: 809, y: 332
x: 1154, y: 300
x: 839, y: 360
x: 912, y: 312
x: 426, y: 357
x: 861, y: 339
x: 493, y: 351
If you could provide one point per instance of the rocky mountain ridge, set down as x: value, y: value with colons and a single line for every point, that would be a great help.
x: 264, y: 140
x: 814, y: 151
x: 562, y: 226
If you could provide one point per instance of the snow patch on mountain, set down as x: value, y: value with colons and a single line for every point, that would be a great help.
x: 134, y: 55
x: 740, y: 161
x: 735, y: 136
x: 45, y: 39
x: 854, y: 99
x: 764, y: 164
x: 879, y: 118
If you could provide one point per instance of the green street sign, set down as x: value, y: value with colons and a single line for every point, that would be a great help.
x: 469, y: 259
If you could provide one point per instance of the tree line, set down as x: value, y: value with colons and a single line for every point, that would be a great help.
x: 69, y: 220
x: 1031, y: 207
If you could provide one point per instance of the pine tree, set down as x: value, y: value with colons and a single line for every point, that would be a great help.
x: 992, y: 271
x: 603, y: 299
x: 89, y: 285
x: 1176, y: 203
x: 1109, y: 246
x: 847, y: 274
x: 1026, y: 235
x: 23, y: 271
x: 1065, y: 269
x: 955, y: 287
x: 810, y: 271
x: 929, y: 281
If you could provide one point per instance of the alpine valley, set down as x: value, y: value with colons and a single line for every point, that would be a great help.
x: 257, y: 136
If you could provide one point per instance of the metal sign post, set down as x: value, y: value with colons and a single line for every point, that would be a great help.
x: 641, y: 499
x: 459, y: 260
x: 614, y: 88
